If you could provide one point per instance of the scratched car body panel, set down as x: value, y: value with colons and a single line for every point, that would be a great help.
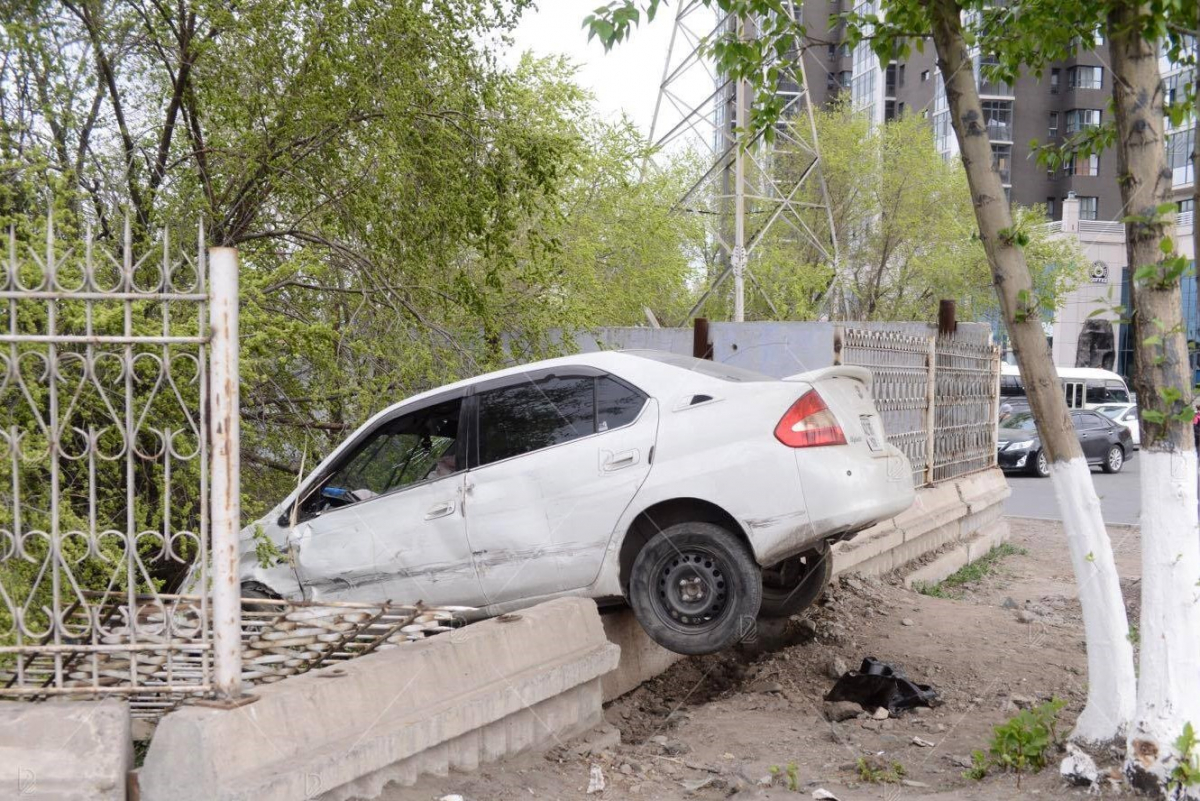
x: 524, y: 484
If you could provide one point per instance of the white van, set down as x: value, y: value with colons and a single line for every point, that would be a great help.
x: 1085, y: 387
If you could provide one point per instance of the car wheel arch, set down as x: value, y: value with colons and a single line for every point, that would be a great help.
x: 664, y: 514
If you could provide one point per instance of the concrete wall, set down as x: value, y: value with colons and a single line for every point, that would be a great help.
x: 774, y: 348
x: 489, y: 690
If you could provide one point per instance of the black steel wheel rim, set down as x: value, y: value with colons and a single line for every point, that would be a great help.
x: 691, y: 589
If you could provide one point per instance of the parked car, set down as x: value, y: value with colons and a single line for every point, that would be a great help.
x: 1105, y: 443
x: 1127, y: 415
x: 698, y: 492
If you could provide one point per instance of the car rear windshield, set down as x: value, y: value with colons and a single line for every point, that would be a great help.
x: 725, y: 372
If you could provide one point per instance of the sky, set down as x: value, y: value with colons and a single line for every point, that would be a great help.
x: 625, y: 79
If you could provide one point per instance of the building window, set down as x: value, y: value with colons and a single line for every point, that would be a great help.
x: 844, y: 77
x: 845, y: 50
x: 889, y: 109
x: 889, y: 80
x: 1053, y: 127
x: 1085, y: 77
x: 1050, y: 208
x: 1080, y: 118
x: 1179, y: 156
x: 1082, y: 165
x: 998, y: 114
x: 1002, y: 162
x: 1186, y: 205
x: 831, y: 81
x: 984, y: 68
x: 1089, y: 208
x: 924, y: 76
x: 833, y: 52
x: 1055, y: 77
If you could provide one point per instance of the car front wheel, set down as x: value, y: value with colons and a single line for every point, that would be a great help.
x: 794, y: 584
x: 1115, y: 460
x: 695, y: 588
x: 1041, y: 464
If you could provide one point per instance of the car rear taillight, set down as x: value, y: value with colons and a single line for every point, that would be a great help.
x: 809, y: 423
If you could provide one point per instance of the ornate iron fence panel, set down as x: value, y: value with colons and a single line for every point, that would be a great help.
x: 937, y: 396
x: 104, y: 464
x: 899, y: 364
x: 965, y: 407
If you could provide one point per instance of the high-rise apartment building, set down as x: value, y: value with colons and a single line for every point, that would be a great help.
x: 1069, y: 97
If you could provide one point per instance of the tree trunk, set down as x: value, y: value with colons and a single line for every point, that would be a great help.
x: 1111, y: 683
x: 1170, y: 627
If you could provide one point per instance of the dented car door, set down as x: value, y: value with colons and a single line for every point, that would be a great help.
x: 385, y: 522
x: 559, y: 458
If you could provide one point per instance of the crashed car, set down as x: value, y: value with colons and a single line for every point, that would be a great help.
x: 699, y: 493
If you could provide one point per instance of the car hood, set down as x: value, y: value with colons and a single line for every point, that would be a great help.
x: 1015, y: 434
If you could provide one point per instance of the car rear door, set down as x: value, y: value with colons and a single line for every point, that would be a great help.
x: 1093, y: 434
x: 558, y: 456
x: 385, y: 521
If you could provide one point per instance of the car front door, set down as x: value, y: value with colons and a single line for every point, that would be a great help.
x: 385, y: 521
x: 558, y: 459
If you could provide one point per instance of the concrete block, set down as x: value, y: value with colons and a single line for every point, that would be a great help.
x: 492, y: 688
x: 641, y: 657
x: 960, y: 555
x: 65, y: 750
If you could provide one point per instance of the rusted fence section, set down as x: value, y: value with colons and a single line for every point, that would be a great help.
x: 107, y: 451
x: 938, y: 396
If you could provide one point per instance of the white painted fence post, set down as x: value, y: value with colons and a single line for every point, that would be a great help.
x: 226, y: 479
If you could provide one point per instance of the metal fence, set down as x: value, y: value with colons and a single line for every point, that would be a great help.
x: 108, y: 443
x: 938, y: 397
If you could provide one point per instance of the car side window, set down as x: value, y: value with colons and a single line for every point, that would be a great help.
x: 1089, y: 421
x: 407, y: 450
x: 617, y: 404
x: 535, y: 414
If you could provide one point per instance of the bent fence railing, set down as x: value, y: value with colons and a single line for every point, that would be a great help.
x: 938, y: 397
x: 116, y: 412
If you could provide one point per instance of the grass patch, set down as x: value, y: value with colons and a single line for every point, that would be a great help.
x: 969, y: 573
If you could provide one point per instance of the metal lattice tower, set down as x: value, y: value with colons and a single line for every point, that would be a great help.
x: 749, y: 186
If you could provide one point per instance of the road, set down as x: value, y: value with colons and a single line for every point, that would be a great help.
x: 1120, y: 500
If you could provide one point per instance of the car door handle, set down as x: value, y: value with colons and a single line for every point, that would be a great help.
x: 624, y: 459
x: 440, y: 510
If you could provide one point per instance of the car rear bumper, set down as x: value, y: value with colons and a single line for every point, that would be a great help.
x: 844, y: 493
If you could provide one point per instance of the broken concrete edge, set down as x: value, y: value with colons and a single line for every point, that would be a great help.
x: 66, y: 750
x: 468, y: 696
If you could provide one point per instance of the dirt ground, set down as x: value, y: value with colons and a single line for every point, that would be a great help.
x: 713, y: 727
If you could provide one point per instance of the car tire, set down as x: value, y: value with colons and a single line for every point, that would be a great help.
x: 795, y: 584
x: 1041, y: 465
x: 1114, y: 460
x: 695, y: 588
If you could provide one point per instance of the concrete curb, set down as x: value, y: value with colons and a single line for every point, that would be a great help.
x: 489, y: 690
x: 65, y: 750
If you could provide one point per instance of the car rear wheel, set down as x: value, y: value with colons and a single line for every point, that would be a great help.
x: 1115, y: 460
x: 695, y: 588
x: 1041, y: 464
x: 794, y: 584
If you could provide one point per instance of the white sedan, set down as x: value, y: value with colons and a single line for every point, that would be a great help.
x: 698, y: 492
x: 1127, y: 415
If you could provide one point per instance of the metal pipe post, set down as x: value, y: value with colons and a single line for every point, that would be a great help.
x: 738, y: 257
x: 226, y: 479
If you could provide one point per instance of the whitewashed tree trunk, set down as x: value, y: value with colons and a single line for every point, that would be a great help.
x: 1169, y: 664
x: 1111, y: 683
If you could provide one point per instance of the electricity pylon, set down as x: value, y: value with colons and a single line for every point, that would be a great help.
x: 749, y: 185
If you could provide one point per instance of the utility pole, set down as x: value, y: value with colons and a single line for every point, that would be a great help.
x: 742, y: 193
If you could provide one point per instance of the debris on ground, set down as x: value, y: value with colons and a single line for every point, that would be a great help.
x: 595, y: 780
x: 1078, y: 768
x: 878, y: 685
